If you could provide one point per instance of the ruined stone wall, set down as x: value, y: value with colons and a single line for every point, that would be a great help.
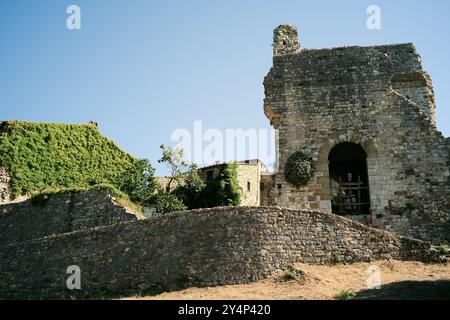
x: 200, y: 247
x: 61, y: 214
x: 265, y: 187
x: 5, y: 187
x: 378, y: 97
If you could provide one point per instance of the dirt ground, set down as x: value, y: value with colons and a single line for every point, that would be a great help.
x: 399, y: 280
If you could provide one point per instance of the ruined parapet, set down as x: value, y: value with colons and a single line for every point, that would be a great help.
x: 63, y: 212
x: 416, y: 87
x: 285, y: 40
x: 5, y: 186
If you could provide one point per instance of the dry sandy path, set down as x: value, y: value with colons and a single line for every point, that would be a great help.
x: 400, y: 280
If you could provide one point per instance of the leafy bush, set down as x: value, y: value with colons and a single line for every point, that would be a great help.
x: 191, y: 189
x: 288, y: 275
x: 345, y: 295
x: 299, y: 169
x: 337, y: 258
x: 167, y: 202
x: 139, y: 182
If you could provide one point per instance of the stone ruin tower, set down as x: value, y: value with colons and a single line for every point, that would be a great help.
x: 366, y: 118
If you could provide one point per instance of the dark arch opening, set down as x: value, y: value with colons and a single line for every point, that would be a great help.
x: 349, y: 183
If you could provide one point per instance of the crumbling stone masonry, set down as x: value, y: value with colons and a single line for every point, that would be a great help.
x: 5, y: 186
x: 366, y: 117
x: 62, y: 213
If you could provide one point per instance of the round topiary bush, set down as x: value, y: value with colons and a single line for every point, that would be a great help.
x: 299, y: 169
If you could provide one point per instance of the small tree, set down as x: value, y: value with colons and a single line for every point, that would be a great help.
x: 139, y: 182
x: 174, y: 159
x: 191, y: 189
x: 168, y: 200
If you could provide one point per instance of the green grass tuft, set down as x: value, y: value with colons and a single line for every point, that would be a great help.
x: 344, y: 295
x: 443, y: 249
x: 289, y: 275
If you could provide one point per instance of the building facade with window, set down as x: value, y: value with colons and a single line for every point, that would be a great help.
x: 249, y: 173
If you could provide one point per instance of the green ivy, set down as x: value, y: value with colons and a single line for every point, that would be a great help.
x: 224, y: 189
x: 299, y: 169
x: 40, y: 156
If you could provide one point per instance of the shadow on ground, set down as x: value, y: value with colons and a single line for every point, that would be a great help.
x: 410, y: 290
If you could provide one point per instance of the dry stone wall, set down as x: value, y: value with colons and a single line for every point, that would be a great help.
x: 61, y: 214
x: 5, y: 188
x: 201, y: 247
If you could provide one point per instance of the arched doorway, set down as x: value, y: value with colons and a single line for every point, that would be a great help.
x: 349, y: 183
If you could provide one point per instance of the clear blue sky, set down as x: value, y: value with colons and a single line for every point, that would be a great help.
x: 143, y: 68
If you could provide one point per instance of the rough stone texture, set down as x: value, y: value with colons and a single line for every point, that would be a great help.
x: 265, y: 186
x: 5, y: 188
x: 285, y: 40
x: 201, y: 247
x: 378, y: 97
x: 61, y: 214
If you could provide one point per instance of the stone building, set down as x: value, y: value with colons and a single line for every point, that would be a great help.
x: 252, y: 175
x: 249, y: 176
x: 366, y: 118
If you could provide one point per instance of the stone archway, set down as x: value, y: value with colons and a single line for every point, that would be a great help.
x: 349, y: 180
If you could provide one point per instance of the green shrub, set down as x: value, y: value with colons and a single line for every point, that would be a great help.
x: 289, y: 275
x: 139, y: 182
x: 443, y: 248
x: 345, y: 295
x: 191, y: 189
x: 337, y: 258
x: 299, y: 169
x: 168, y: 202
